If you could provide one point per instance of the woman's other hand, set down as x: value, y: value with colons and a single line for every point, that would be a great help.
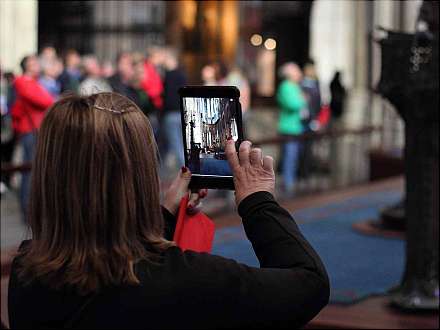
x: 252, y: 172
x: 179, y: 189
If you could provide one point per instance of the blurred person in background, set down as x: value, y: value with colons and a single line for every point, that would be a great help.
x: 93, y: 81
x: 10, y: 90
x: 337, y: 93
x: 143, y: 101
x: 236, y: 78
x: 3, y: 94
x: 28, y: 111
x: 292, y: 103
x: 312, y: 93
x: 122, y: 81
x: 48, y: 53
x: 311, y: 90
x: 221, y: 73
x: 152, y: 82
x: 174, y: 79
x: 108, y: 69
x: 7, y: 133
x: 337, y: 103
x: 208, y: 75
x: 71, y: 76
x: 51, y: 70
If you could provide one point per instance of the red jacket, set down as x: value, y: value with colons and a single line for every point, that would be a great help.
x: 32, y: 101
x: 152, y: 84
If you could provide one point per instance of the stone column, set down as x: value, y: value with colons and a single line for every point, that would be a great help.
x: 18, y: 32
x: 338, y: 42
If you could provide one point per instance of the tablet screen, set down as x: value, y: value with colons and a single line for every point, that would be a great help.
x: 208, y: 123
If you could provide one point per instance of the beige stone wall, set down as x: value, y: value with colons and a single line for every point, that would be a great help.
x: 331, y: 40
x: 339, y: 33
x: 340, y: 40
x: 18, y: 32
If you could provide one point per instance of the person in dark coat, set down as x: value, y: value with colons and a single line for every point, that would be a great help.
x: 172, y: 127
x: 311, y: 90
x: 122, y: 81
x: 71, y: 77
x: 104, y: 258
x: 338, y: 93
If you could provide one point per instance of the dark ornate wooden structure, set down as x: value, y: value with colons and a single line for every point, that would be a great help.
x: 410, y: 82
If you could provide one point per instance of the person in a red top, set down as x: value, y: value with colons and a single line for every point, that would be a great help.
x: 32, y: 99
x: 152, y: 82
x: 30, y: 106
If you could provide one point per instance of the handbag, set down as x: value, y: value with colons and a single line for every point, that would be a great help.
x: 193, y: 232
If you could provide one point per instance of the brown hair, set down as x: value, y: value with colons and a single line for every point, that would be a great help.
x: 94, y: 207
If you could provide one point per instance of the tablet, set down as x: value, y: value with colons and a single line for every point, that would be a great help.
x: 210, y: 116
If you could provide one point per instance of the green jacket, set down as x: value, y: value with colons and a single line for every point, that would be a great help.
x: 291, y: 101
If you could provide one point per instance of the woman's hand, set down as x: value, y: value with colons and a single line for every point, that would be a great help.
x: 179, y: 189
x: 252, y: 172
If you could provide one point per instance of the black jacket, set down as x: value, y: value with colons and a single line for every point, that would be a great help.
x: 338, y: 93
x: 174, y: 79
x: 197, y: 290
x: 120, y: 87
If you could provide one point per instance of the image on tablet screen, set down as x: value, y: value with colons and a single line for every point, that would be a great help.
x: 208, y: 123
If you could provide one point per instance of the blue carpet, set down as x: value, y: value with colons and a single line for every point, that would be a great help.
x: 358, y: 266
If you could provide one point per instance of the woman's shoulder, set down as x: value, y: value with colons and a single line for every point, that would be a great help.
x: 199, y: 266
x: 203, y: 260
x: 175, y: 266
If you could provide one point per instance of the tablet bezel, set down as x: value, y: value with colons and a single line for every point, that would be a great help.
x: 200, y: 181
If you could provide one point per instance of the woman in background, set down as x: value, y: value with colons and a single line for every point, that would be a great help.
x: 292, y: 104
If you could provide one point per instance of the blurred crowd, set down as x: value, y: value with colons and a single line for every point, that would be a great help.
x: 151, y: 81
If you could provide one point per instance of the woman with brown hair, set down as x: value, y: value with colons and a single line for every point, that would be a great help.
x: 101, y: 254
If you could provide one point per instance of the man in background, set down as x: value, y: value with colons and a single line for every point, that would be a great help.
x: 122, y: 81
x: 93, y: 81
x: 311, y: 89
x: 51, y: 70
x: 28, y: 110
x: 7, y: 99
x: 71, y: 76
x: 312, y: 93
x: 174, y: 79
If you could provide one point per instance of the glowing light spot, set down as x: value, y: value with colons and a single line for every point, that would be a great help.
x: 256, y: 40
x: 270, y: 44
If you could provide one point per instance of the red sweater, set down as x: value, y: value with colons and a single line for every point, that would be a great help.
x: 152, y: 85
x: 30, y: 106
